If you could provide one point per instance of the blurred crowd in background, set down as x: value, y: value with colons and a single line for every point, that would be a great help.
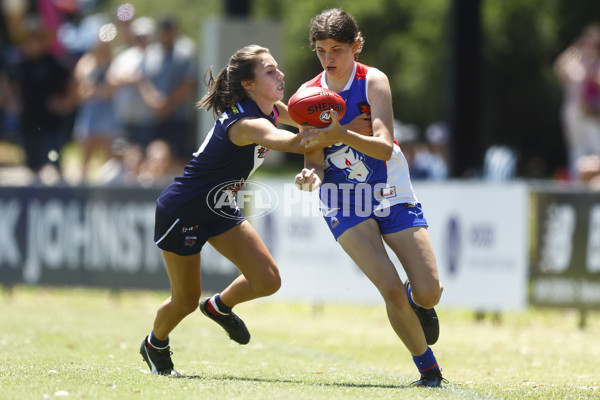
x: 87, y: 97
x: 115, y: 92
x: 578, y: 68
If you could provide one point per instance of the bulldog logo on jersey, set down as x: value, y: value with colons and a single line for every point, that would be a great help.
x: 350, y: 161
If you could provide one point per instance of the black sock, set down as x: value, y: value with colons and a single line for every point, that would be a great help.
x: 156, y: 344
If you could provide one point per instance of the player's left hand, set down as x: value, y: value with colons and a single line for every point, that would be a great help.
x: 361, y: 124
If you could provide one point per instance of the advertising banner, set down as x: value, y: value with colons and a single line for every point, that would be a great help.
x: 478, y: 230
x: 93, y: 236
x: 565, y: 251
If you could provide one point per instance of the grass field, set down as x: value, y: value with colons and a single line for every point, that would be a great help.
x: 83, y: 344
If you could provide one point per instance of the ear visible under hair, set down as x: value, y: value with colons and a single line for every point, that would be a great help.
x: 248, y: 85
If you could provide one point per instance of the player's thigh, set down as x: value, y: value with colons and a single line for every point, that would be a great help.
x: 363, y: 244
x: 413, y: 248
x: 243, y: 247
x: 184, y: 275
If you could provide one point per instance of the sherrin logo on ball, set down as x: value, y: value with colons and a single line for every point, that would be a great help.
x: 312, y: 105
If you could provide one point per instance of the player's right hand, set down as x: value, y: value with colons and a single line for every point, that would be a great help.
x: 307, y: 180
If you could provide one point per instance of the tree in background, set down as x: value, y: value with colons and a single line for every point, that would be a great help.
x: 409, y: 41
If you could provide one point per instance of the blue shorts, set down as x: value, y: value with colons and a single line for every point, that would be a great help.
x: 394, y: 219
x: 184, y: 237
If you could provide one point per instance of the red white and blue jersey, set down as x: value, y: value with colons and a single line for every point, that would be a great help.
x: 357, y: 176
x: 218, y: 166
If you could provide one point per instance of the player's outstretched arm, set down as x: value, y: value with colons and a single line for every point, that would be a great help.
x: 261, y: 131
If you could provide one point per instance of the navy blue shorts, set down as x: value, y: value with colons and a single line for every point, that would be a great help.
x: 393, y: 219
x: 186, y: 237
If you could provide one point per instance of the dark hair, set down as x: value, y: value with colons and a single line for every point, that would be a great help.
x: 227, y: 89
x: 335, y: 24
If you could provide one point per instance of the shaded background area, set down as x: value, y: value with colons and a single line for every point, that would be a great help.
x: 485, y: 67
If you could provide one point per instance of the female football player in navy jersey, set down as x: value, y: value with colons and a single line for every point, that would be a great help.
x: 365, y: 170
x: 199, y: 206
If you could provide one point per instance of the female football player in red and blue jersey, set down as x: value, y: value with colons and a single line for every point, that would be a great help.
x: 366, y: 191
x: 191, y: 211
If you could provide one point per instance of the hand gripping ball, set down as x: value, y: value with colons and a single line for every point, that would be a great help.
x: 311, y: 106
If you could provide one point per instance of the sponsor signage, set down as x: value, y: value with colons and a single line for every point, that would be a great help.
x: 565, y: 253
x: 85, y: 236
x: 478, y: 230
x: 479, y: 234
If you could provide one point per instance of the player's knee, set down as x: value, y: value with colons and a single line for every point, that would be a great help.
x: 427, y: 297
x: 270, y: 283
x: 188, y: 305
x: 274, y: 284
x: 395, y: 296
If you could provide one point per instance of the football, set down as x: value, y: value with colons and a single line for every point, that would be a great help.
x: 311, y: 106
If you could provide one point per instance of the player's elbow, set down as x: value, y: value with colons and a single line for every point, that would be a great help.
x: 386, y: 152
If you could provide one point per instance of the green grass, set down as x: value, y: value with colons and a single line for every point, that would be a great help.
x: 83, y: 344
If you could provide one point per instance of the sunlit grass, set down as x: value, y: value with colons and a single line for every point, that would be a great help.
x: 84, y: 344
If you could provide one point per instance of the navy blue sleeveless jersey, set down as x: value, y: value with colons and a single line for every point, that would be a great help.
x: 219, y: 168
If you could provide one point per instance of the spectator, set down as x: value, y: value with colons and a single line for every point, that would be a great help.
x: 169, y: 72
x: 132, y: 112
x: 425, y: 160
x: 95, y: 124
x: 123, y: 168
x: 437, y: 141
x: 588, y: 168
x: 407, y: 136
x: 46, y: 94
x: 578, y: 68
x: 157, y: 167
x: 430, y: 160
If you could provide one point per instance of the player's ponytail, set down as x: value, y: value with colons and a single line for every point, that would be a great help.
x: 226, y: 89
x: 217, y: 94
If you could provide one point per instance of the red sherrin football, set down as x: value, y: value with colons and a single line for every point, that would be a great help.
x: 311, y: 106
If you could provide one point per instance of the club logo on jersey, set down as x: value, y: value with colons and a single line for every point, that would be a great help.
x: 334, y: 222
x: 364, y: 108
x: 261, y: 151
x: 190, y: 241
x: 351, y: 162
x: 235, y: 187
x: 255, y: 199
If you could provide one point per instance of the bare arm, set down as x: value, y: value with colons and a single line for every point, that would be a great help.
x: 361, y: 124
x: 261, y: 131
x: 284, y: 115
